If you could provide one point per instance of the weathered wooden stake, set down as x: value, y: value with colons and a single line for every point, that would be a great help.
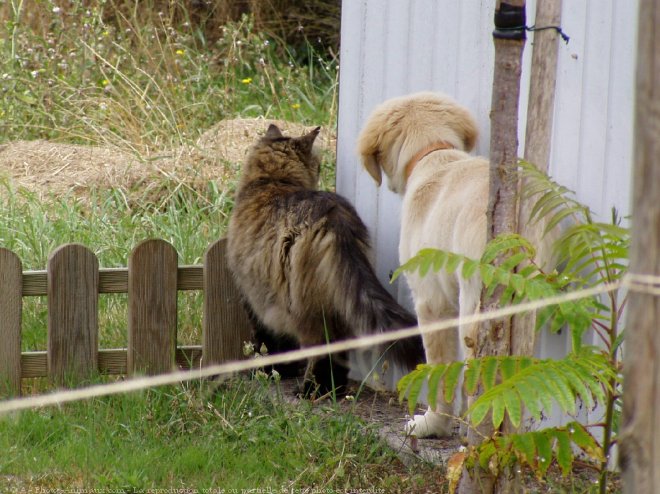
x: 494, y: 337
x: 639, y: 439
x: 538, y: 138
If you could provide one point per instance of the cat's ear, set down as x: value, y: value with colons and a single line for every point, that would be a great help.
x: 274, y: 132
x: 308, y: 139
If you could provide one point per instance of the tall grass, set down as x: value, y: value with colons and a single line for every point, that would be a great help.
x: 70, y: 74
x: 241, y: 436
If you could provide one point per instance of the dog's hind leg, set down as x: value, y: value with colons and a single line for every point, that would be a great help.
x: 441, y: 348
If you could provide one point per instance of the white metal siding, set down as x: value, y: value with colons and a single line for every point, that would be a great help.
x: 394, y: 47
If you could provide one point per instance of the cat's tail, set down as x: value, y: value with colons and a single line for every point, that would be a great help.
x: 375, y: 310
x: 370, y: 308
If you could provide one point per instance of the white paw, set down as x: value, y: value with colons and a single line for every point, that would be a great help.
x: 430, y: 424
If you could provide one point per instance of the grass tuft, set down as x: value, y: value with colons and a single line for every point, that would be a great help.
x: 197, y: 436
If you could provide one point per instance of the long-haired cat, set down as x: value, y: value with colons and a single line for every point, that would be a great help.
x: 301, y: 257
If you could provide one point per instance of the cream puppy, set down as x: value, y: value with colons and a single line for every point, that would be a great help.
x: 421, y: 143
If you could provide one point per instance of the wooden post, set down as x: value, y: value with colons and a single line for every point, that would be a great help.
x: 538, y: 138
x: 640, y: 433
x: 73, y: 284
x: 11, y: 285
x: 226, y: 325
x: 152, y: 318
x: 494, y: 337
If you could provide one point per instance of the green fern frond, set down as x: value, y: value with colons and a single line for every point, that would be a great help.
x: 513, y: 382
x: 555, y: 203
x: 411, y: 384
x: 539, y: 384
x: 441, y: 378
x: 538, y: 449
x: 507, y: 243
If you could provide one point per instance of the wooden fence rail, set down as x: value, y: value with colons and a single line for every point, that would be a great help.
x: 72, y: 283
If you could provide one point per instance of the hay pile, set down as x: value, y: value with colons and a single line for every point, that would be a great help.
x: 49, y: 168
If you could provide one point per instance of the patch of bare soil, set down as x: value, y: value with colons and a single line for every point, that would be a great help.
x: 52, y: 168
x: 382, y: 408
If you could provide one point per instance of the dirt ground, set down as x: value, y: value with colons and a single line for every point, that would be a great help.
x: 383, y: 409
x: 52, y: 168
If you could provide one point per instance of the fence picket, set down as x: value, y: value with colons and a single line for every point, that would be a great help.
x: 10, y: 323
x: 152, y: 297
x: 226, y: 325
x: 73, y: 279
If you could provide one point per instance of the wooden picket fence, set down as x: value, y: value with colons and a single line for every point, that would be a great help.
x: 72, y: 283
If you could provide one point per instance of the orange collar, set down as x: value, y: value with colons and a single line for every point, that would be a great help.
x: 412, y: 162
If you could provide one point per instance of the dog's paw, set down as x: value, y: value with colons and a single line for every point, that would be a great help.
x: 431, y: 424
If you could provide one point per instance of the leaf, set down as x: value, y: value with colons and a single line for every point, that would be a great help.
x: 455, y: 470
x: 472, y: 374
x: 451, y: 380
x: 585, y: 441
x: 436, y: 374
x: 487, y: 274
x: 497, y: 404
x: 425, y: 265
x: 519, y: 284
x: 563, y: 395
x: 511, y: 262
x: 594, y: 385
x: 489, y: 372
x: 618, y: 341
x: 556, y: 219
x: 529, y: 396
x: 411, y: 384
x: 486, y: 452
x: 525, y: 448
x: 575, y: 381
x: 545, y: 392
x: 478, y: 410
x: 507, y: 242
x: 544, y: 451
x: 453, y: 262
x: 549, y: 197
x: 439, y: 260
x: 513, y: 408
x: 564, y: 451
x: 26, y: 98
x: 469, y: 268
x: 508, y: 367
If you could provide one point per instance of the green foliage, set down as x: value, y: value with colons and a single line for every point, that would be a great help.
x: 588, y: 253
x: 521, y: 279
x: 510, y: 383
x: 537, y: 449
x: 85, y: 73
x: 193, y: 436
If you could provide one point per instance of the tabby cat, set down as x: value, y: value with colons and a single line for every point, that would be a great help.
x: 301, y: 258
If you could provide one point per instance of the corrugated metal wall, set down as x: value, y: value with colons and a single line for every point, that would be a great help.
x: 394, y: 47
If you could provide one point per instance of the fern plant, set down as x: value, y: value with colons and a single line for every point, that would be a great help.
x: 589, y: 253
